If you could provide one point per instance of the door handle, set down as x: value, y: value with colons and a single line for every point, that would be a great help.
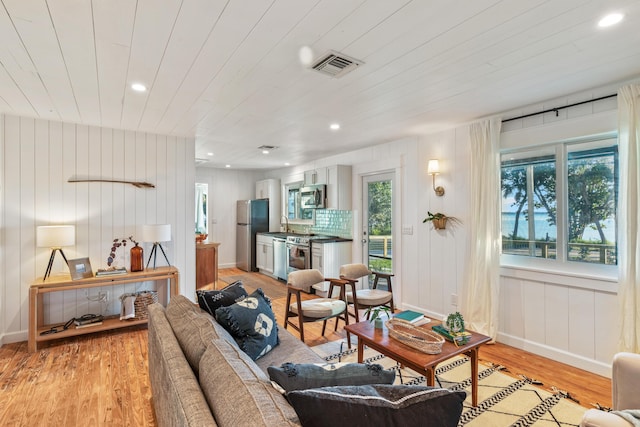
x: 364, y: 240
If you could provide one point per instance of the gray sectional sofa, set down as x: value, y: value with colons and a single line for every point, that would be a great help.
x: 200, y: 377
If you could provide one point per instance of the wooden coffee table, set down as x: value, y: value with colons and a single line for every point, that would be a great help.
x: 423, y: 363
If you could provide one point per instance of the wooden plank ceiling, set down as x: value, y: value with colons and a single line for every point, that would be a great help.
x: 228, y: 72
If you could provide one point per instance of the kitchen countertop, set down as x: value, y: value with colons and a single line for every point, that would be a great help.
x: 316, y: 238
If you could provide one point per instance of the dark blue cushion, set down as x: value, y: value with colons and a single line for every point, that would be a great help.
x: 252, y: 324
x: 381, y: 405
x: 291, y: 376
x: 210, y: 301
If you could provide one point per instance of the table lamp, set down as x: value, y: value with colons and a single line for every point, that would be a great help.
x: 55, y: 237
x: 156, y: 233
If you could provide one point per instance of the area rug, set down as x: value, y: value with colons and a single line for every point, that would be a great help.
x: 502, y: 399
x: 271, y: 287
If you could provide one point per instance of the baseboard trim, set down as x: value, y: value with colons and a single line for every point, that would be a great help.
x: 581, y: 362
x: 11, y: 337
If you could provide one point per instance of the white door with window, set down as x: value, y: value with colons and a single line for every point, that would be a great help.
x: 377, y: 221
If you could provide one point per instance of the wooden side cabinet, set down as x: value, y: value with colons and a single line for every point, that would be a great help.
x: 168, y: 275
x: 206, y: 264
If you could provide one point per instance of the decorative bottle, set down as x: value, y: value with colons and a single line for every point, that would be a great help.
x: 137, y: 258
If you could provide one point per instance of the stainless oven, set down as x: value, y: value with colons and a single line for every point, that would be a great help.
x: 298, y: 253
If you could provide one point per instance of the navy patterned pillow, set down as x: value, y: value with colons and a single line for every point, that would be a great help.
x: 252, y: 324
x: 384, y: 405
x: 210, y: 301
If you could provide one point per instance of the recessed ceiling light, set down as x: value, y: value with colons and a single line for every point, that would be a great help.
x: 227, y: 166
x: 334, y: 126
x: 139, y: 87
x: 265, y: 151
x: 287, y: 164
x: 209, y: 154
x: 611, y: 19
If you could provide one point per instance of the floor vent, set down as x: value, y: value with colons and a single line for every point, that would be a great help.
x: 335, y: 64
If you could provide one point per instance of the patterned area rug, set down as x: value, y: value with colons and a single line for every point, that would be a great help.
x: 271, y: 288
x: 502, y: 400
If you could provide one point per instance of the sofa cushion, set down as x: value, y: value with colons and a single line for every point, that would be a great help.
x: 252, y: 323
x: 238, y: 392
x: 292, y: 376
x: 289, y: 348
x: 384, y: 405
x: 193, y: 328
x: 210, y: 301
x: 178, y: 399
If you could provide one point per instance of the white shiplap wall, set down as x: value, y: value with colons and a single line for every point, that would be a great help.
x: 38, y: 157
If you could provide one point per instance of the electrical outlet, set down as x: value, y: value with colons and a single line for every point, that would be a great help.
x: 454, y: 299
x: 407, y: 229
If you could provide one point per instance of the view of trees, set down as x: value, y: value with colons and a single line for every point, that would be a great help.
x: 380, y: 208
x: 591, y: 195
x: 380, y: 214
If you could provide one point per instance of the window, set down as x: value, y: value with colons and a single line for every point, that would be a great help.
x: 562, y: 196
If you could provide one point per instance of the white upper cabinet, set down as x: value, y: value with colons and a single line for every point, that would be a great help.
x: 315, y: 176
x: 270, y: 189
x: 339, y: 187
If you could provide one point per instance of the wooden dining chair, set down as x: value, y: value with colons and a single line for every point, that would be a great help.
x: 300, y: 312
x: 366, y: 297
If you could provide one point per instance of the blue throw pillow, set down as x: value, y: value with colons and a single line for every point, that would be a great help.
x: 382, y: 405
x: 252, y: 324
x: 302, y: 376
x: 210, y: 301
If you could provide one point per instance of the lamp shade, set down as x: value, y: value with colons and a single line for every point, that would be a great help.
x: 156, y: 233
x: 56, y: 236
x: 433, y: 167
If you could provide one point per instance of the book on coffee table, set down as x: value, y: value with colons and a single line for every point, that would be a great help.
x: 457, y: 337
x: 409, y: 316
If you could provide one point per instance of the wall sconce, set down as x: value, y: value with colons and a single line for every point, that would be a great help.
x: 55, y: 237
x: 156, y: 233
x: 433, y: 169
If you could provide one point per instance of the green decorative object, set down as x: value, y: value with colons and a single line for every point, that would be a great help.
x: 455, y: 322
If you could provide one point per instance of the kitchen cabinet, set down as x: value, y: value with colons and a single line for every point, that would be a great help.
x: 339, y: 187
x: 328, y: 257
x: 264, y: 254
x: 270, y: 189
x: 315, y: 176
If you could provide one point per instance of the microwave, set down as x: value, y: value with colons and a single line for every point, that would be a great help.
x: 313, y: 197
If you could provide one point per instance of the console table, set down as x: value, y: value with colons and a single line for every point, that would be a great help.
x: 64, y: 283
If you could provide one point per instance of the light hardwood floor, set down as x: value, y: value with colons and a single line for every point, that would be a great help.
x: 102, y: 379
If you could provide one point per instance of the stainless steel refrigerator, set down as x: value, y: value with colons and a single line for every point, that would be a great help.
x: 252, y: 218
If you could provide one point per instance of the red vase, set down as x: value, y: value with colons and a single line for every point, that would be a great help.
x: 137, y: 258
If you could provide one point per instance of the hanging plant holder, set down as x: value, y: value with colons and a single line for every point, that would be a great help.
x: 440, y: 223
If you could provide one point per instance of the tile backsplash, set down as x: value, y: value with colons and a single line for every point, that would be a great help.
x: 330, y: 222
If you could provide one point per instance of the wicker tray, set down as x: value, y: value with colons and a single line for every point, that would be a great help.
x: 419, y: 338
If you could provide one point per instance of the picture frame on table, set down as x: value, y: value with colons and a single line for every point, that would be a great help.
x: 80, y: 268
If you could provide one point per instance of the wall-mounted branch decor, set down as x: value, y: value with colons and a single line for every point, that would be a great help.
x: 137, y: 184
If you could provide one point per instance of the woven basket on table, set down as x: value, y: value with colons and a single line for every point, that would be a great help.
x: 419, y: 338
x: 142, y: 301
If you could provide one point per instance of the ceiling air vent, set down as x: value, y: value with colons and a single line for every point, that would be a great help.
x: 335, y: 64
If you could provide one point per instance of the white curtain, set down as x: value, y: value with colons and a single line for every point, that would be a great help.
x: 480, y: 293
x: 629, y: 217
